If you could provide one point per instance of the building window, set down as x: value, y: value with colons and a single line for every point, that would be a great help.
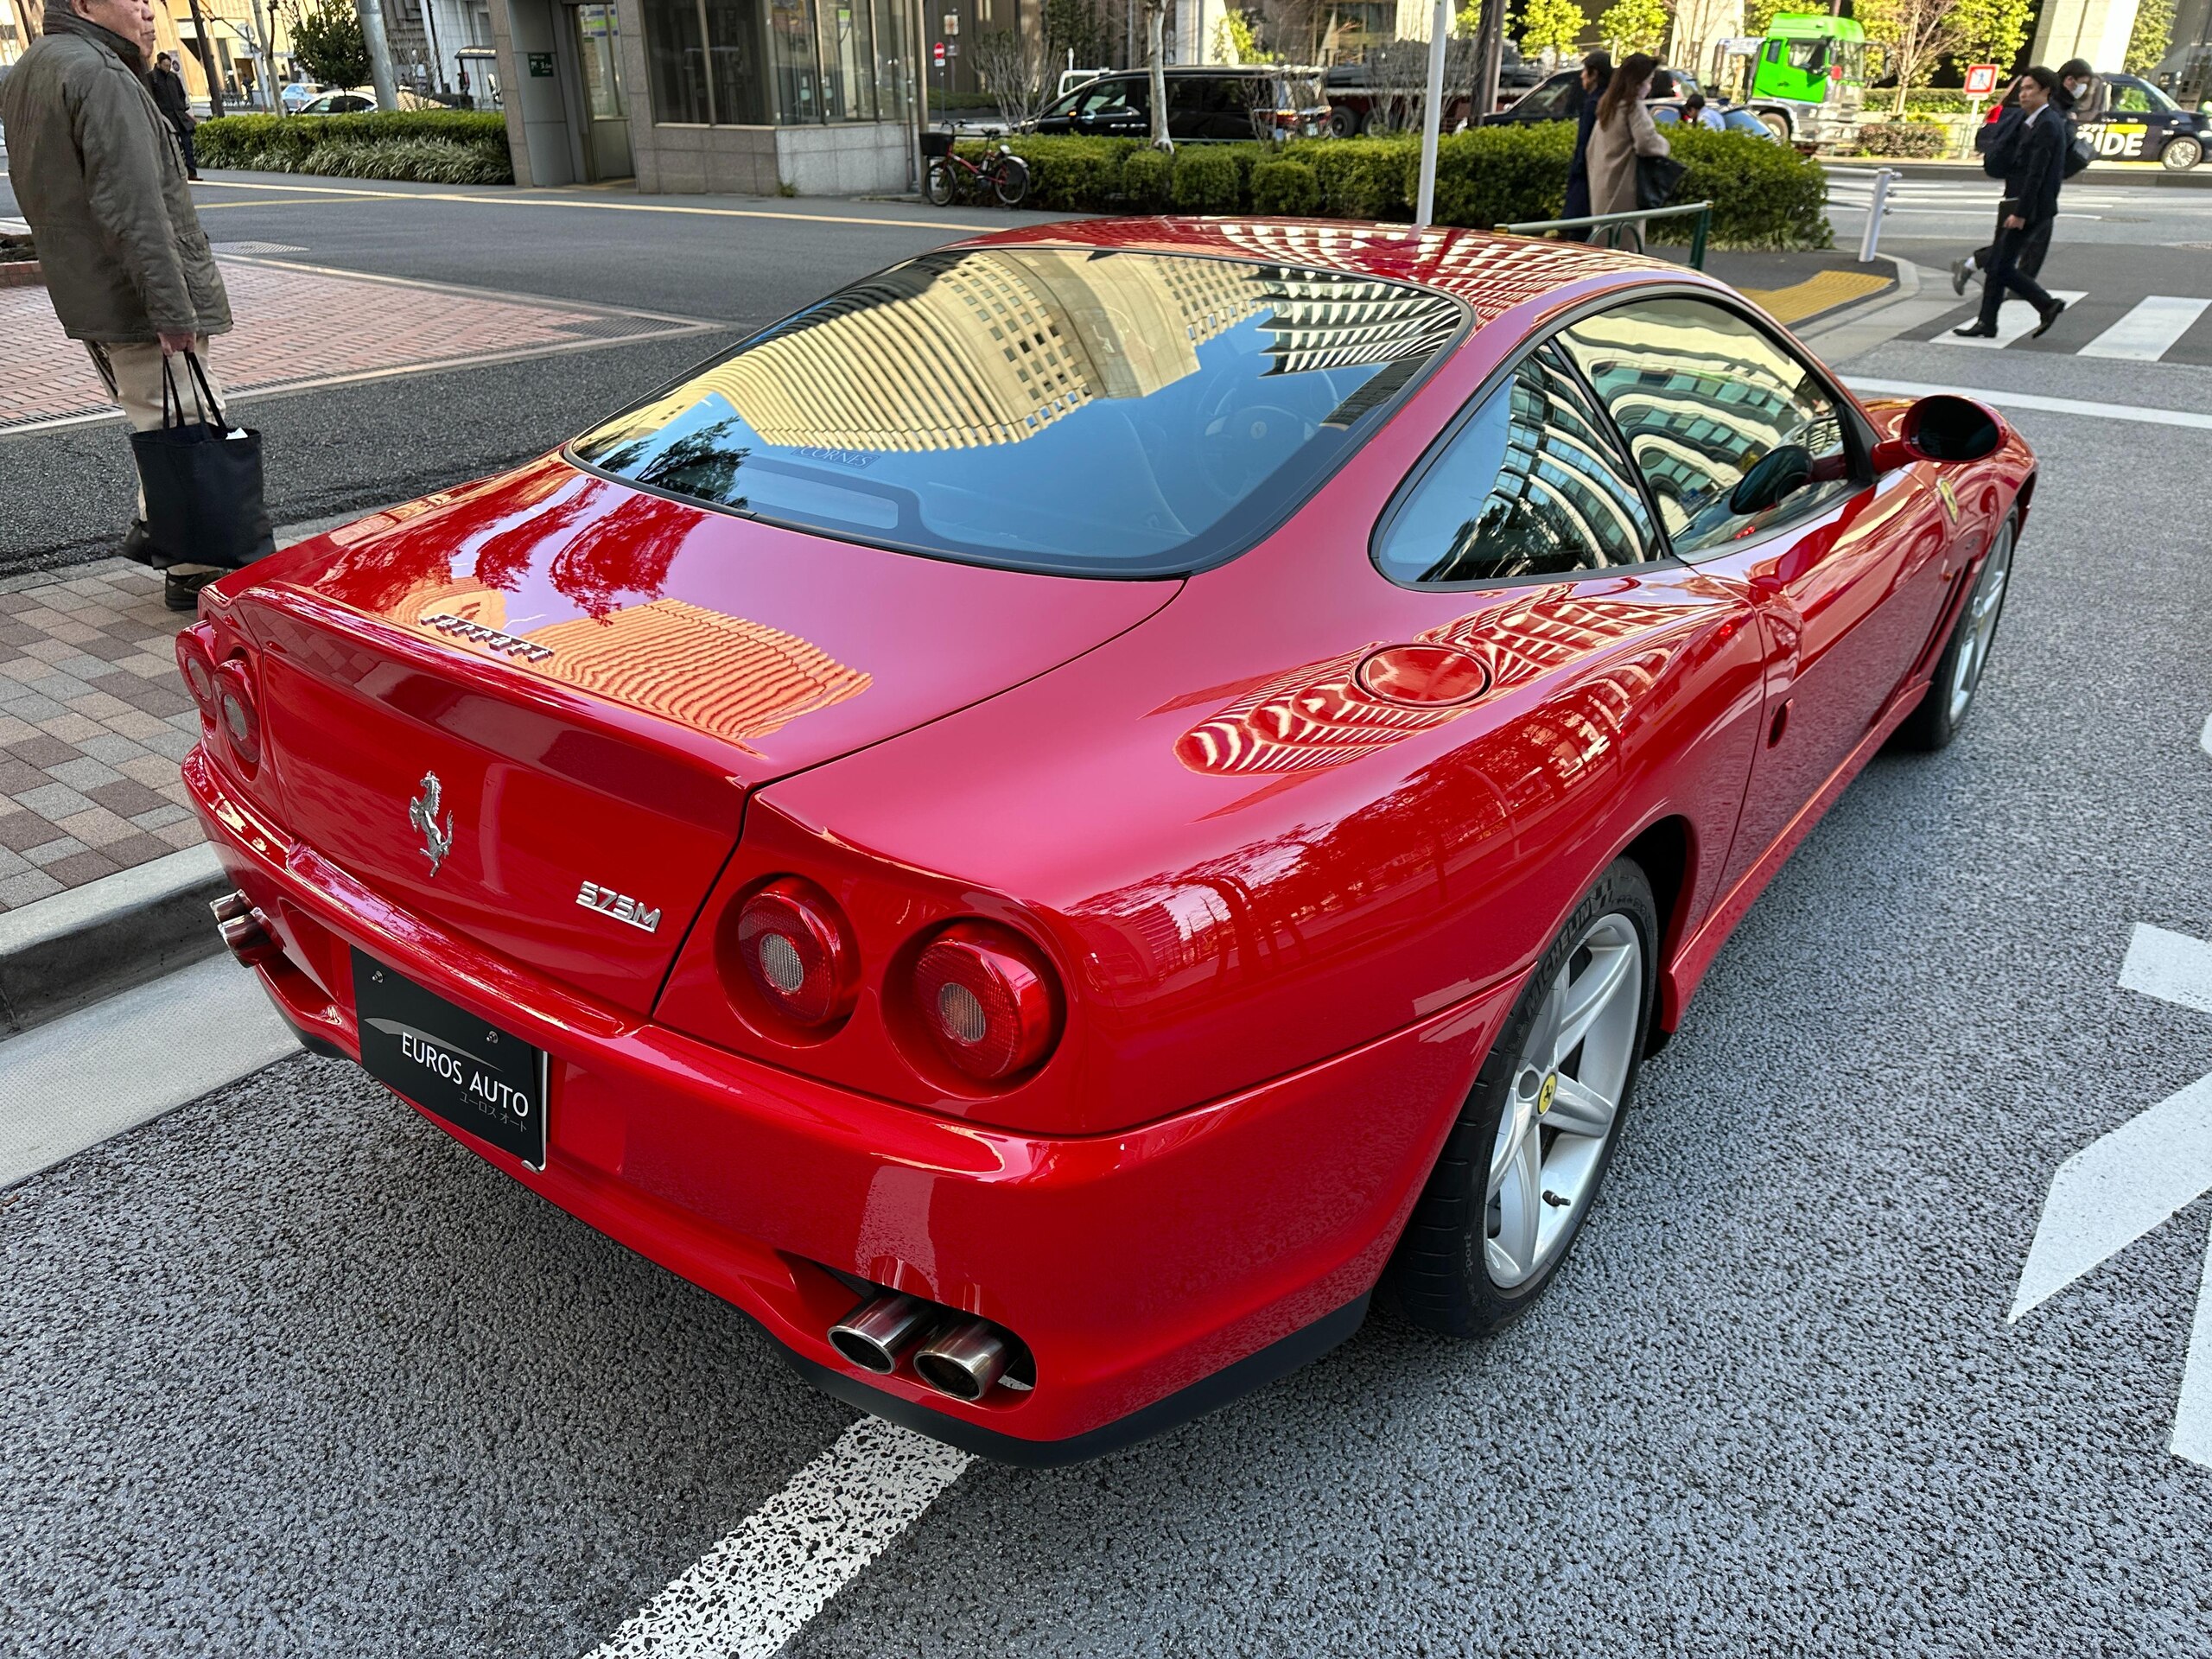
x: 776, y: 62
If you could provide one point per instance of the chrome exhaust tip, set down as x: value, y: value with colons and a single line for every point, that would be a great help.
x: 232, y: 905
x: 244, y: 930
x: 965, y: 1359
x: 876, y: 1333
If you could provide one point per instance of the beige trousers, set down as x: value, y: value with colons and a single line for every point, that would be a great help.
x: 131, y: 370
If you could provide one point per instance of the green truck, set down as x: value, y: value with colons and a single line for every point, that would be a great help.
x: 1806, y: 79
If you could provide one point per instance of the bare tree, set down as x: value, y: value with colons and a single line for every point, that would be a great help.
x: 1016, y: 69
x: 1155, y: 51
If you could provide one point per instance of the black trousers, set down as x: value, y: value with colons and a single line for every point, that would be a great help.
x: 2035, y: 244
x: 184, y: 142
x: 2005, y: 273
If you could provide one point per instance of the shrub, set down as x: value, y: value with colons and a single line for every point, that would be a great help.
x: 427, y: 146
x: 1922, y: 138
x: 1074, y: 175
x: 1498, y: 175
x: 1763, y: 194
x: 1360, y: 178
x: 1285, y: 187
x: 1206, y: 181
x: 1145, y: 175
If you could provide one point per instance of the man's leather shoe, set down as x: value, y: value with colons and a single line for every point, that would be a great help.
x: 181, y: 591
x: 1975, y: 331
x: 1960, y: 269
x: 2049, y: 317
x: 138, y: 544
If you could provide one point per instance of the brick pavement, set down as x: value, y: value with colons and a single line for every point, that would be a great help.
x: 297, y: 326
x: 93, y: 722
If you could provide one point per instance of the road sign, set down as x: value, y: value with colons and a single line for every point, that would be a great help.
x: 1981, y: 79
x: 937, y: 53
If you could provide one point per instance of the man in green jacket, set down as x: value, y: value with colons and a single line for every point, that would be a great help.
x: 96, y: 172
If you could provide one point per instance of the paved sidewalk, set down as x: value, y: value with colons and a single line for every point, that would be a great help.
x: 302, y: 327
x: 93, y: 722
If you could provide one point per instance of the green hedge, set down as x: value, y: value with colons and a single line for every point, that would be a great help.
x: 1763, y: 194
x: 1906, y: 138
x: 426, y: 146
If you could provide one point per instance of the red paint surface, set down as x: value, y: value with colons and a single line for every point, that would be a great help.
x: 1285, y: 912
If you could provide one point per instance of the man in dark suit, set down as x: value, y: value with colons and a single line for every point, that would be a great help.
x: 2034, y: 163
x: 1597, y: 70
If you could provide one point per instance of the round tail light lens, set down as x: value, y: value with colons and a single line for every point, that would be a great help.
x: 236, y: 714
x: 197, y: 664
x: 988, y: 999
x: 797, y: 952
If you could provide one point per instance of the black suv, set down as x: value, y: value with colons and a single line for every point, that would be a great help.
x: 1203, y: 105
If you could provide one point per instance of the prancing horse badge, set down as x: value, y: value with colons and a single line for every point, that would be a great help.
x: 422, y: 813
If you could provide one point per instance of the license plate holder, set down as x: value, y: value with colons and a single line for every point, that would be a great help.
x: 448, y: 1062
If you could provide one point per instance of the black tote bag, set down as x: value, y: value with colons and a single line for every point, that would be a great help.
x: 1658, y: 178
x: 202, y: 480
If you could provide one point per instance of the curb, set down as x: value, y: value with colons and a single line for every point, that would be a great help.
x: 2197, y: 178
x: 74, y: 949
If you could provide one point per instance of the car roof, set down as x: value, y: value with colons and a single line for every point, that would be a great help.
x: 1492, y: 272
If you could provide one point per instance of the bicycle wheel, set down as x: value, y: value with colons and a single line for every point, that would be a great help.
x: 940, y: 186
x: 1013, y: 181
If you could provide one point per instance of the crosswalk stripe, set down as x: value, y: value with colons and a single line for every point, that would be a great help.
x: 2017, y: 319
x: 2149, y: 331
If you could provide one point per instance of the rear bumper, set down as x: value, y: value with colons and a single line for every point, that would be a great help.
x: 1153, y: 1273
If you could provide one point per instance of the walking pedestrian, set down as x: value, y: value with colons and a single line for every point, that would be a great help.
x: 168, y: 88
x: 2089, y: 90
x: 96, y: 171
x: 2034, y: 165
x: 1597, y: 70
x: 1625, y: 131
x: 1974, y: 266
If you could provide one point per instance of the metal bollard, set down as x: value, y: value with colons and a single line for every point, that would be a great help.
x: 1876, y: 206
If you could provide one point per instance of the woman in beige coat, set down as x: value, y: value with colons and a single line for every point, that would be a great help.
x: 1624, y: 131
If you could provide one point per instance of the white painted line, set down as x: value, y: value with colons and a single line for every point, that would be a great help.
x: 2119, y: 1187
x: 2188, y: 417
x: 80, y: 1080
x: 2192, y: 1436
x: 753, y: 1590
x: 2149, y: 331
x: 2172, y: 966
x: 2016, y: 320
x: 2204, y: 738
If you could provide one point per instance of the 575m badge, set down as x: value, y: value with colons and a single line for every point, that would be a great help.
x: 620, y: 905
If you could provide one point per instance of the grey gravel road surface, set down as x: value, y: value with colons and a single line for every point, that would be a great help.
x: 286, y: 1371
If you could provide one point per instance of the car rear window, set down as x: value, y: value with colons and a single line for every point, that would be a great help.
x: 1100, y: 412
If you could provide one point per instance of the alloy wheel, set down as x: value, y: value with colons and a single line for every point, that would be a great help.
x: 1978, y: 625
x: 1564, y: 1100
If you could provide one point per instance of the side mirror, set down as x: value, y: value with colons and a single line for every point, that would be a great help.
x: 1940, y: 427
x: 1776, y: 475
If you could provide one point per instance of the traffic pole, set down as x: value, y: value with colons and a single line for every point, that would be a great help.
x: 1432, y: 118
x: 1876, y: 206
x: 379, y: 44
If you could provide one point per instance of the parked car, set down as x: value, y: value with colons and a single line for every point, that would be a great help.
x: 295, y: 95
x: 1732, y: 119
x: 1048, y: 877
x: 1204, y: 103
x: 1557, y: 97
x: 359, y: 100
x: 1356, y: 106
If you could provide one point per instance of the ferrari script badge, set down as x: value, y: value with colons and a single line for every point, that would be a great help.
x: 422, y: 813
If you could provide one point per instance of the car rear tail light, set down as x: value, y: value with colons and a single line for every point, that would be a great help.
x: 988, y: 999
x: 236, y: 715
x: 196, y: 662
x: 797, y: 953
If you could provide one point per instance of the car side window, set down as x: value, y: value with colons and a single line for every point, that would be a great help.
x: 1552, y: 99
x: 1735, y: 435
x: 2130, y: 100
x: 1112, y: 97
x: 1532, y: 485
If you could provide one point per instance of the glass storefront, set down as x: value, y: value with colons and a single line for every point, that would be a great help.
x: 753, y: 63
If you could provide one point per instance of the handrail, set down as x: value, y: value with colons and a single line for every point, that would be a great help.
x: 1698, y: 235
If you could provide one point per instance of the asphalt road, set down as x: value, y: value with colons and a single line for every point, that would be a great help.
x: 286, y: 1371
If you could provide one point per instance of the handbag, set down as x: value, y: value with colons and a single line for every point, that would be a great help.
x: 2079, y: 154
x: 201, y: 480
x: 1658, y: 178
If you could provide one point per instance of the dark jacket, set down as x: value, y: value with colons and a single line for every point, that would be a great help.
x: 2035, y: 164
x: 95, y: 170
x: 168, y: 87
x: 1578, y: 169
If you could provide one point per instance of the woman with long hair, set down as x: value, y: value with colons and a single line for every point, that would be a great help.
x: 1625, y: 131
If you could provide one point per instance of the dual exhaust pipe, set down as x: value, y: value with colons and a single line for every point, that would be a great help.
x: 244, y: 930
x: 957, y: 1354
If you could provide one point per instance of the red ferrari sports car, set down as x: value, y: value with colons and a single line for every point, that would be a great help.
x: 1051, y: 824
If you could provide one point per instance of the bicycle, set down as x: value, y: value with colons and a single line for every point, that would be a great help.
x: 1002, y: 173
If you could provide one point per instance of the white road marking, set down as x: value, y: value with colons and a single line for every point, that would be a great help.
x: 2016, y: 320
x: 2188, y: 417
x: 2172, y: 966
x: 2192, y: 1437
x: 2204, y: 738
x: 2149, y: 331
x: 753, y: 1590
x: 78, y: 1080
x: 2119, y: 1187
